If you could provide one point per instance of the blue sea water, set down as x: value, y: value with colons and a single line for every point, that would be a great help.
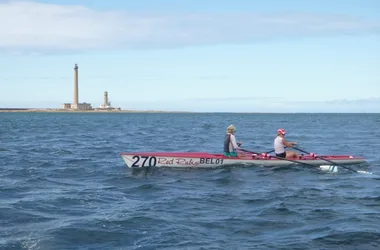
x: 63, y: 184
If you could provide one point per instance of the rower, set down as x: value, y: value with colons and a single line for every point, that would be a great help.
x: 230, y: 144
x: 280, y: 143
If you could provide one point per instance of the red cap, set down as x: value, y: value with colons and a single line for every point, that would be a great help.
x: 281, y: 130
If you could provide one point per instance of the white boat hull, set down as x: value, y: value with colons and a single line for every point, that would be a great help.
x: 206, y: 160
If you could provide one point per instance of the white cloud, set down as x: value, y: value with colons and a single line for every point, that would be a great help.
x: 38, y: 28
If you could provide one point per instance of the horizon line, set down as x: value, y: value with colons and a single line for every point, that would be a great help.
x: 52, y: 110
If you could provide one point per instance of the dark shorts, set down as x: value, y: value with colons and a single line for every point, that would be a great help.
x: 282, y: 155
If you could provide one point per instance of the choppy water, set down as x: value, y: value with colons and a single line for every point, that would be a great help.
x: 63, y: 184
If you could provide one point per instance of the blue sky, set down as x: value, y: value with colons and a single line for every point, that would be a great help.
x: 232, y: 56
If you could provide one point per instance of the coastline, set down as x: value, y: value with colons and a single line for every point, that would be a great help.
x: 45, y: 110
x: 51, y: 110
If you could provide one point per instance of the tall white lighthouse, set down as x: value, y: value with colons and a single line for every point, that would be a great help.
x: 76, y: 96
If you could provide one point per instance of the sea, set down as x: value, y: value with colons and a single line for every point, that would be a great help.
x: 64, y: 185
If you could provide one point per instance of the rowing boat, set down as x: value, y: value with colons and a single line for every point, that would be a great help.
x: 209, y: 160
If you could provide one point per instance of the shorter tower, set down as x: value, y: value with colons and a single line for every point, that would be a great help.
x: 107, y: 104
x: 105, y: 99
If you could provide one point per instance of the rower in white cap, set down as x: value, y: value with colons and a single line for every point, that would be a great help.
x: 280, y: 143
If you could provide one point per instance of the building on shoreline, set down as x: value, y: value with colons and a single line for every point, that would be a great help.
x: 76, y: 105
x: 106, y: 104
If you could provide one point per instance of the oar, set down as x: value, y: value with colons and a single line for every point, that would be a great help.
x: 270, y: 151
x: 353, y: 170
x: 328, y: 168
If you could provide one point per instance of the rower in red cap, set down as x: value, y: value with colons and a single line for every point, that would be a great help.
x: 280, y: 143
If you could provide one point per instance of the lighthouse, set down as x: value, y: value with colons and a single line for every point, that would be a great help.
x: 106, y: 104
x: 76, y: 96
x: 76, y: 105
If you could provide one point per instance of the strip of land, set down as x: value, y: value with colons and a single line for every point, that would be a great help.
x: 86, y: 111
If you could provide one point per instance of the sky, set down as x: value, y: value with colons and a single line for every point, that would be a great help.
x: 207, y: 56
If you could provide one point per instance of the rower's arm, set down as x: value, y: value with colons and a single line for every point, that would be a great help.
x: 233, y: 141
x: 288, y: 144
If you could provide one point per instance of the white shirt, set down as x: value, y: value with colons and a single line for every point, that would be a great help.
x: 279, y: 147
x: 233, y: 145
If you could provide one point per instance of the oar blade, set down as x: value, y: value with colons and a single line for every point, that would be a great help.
x: 334, y: 169
x: 363, y: 172
x: 329, y: 168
